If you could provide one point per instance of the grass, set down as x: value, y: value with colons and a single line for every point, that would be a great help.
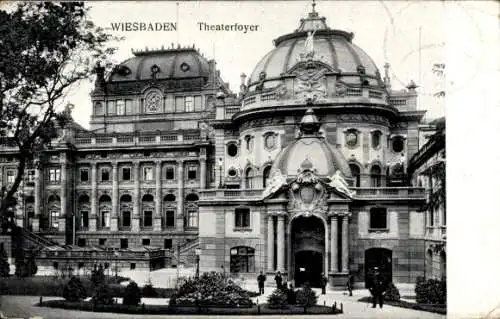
x: 439, y: 309
x: 160, y: 309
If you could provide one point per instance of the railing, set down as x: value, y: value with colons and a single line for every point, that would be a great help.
x: 38, y: 240
x: 81, y: 253
x: 132, y: 139
x: 230, y: 111
x: 395, y: 192
x: 375, y: 95
x: 397, y: 102
x: 353, y: 92
x: 231, y: 193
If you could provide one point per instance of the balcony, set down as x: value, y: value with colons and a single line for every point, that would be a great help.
x: 231, y: 194
x: 131, y: 139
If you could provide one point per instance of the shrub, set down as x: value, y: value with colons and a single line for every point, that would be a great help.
x: 149, y: 291
x: 431, y: 291
x: 132, y: 296
x: 277, y: 300
x: 4, y: 263
x: 74, y: 290
x: 102, y: 295
x: 392, y: 293
x: 306, y: 297
x: 97, y: 277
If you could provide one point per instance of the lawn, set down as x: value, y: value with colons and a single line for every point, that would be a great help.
x: 440, y: 309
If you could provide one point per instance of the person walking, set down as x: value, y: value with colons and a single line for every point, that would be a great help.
x: 377, y: 289
x: 349, y: 284
x: 324, y: 281
x: 279, y: 280
x: 260, y: 280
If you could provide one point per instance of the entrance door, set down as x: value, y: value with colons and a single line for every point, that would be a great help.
x: 380, y: 258
x: 308, y: 268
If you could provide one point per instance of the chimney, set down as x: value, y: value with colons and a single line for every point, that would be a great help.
x: 387, y: 79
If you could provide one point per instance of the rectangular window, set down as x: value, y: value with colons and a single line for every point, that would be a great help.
x: 189, y: 104
x: 54, y: 175
x: 82, y: 242
x: 11, y: 176
x: 128, y: 107
x: 126, y: 219
x: 124, y: 243
x: 192, y: 172
x: 126, y: 173
x: 167, y: 243
x: 104, y: 219
x: 105, y: 174
x: 378, y: 218
x: 242, y: 218
x: 54, y: 219
x: 132, y: 266
x: 84, y: 215
x: 179, y: 104
x: 169, y: 174
x: 120, y: 107
x: 148, y: 218
x: 192, y: 221
x: 197, y: 103
x: 170, y: 218
x: 31, y: 176
x: 111, y: 106
x: 148, y: 173
x: 102, y: 241
x: 84, y: 175
x: 146, y: 241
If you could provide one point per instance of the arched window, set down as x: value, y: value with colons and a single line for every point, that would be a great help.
x: 191, y: 211
x: 54, y: 205
x: 83, y: 208
x: 356, y: 174
x: 104, y: 210
x: 242, y: 259
x: 376, y: 176
x: 125, y: 211
x: 265, y: 175
x: 376, y: 137
x: 147, y: 210
x: 169, y: 207
x: 249, y: 178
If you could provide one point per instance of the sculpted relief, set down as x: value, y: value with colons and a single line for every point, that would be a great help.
x: 310, y: 84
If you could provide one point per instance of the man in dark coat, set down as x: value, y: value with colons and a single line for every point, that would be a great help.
x: 378, y: 288
x: 290, y: 295
x: 323, y: 282
x: 279, y: 280
x: 260, y: 279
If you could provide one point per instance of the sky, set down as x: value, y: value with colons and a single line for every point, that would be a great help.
x: 389, y: 31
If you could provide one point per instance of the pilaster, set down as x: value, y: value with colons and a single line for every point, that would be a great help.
x: 345, y: 243
x: 180, y: 196
x: 64, y: 199
x: 93, y: 199
x: 281, y: 243
x: 334, y: 267
x: 270, y: 243
x: 137, y: 198
x: 157, y: 216
x: 114, y: 199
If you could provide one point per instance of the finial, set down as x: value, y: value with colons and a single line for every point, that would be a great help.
x: 314, y: 5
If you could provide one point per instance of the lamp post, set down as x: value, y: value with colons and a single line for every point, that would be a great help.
x: 198, y: 253
x: 220, y: 172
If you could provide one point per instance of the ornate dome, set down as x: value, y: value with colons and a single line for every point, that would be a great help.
x: 334, y: 48
x: 311, y: 151
x: 162, y: 64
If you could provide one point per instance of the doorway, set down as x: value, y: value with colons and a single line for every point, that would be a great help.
x: 308, y: 268
x: 380, y: 258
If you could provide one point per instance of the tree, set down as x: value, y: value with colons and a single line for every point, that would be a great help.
x: 4, y: 263
x: 47, y: 48
x: 132, y: 295
x: 74, y: 290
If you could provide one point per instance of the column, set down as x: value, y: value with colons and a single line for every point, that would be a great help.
x: 203, y: 173
x: 270, y: 243
x: 137, y: 198
x: 93, y: 200
x: 281, y: 243
x: 38, y: 198
x: 180, y: 196
x: 64, y: 204
x: 114, y: 200
x: 158, y: 200
x: 345, y: 243
x: 334, y: 267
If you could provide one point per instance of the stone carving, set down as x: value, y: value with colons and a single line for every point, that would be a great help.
x: 340, y: 89
x: 281, y: 92
x: 339, y: 183
x: 309, y: 44
x: 153, y: 102
x: 310, y: 84
x: 276, y: 181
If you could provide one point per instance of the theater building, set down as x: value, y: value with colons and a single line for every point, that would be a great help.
x: 304, y: 171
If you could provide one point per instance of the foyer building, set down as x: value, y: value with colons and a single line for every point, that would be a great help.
x: 303, y: 171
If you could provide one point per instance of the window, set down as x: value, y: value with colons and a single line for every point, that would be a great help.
x: 179, y: 104
x: 189, y: 104
x: 270, y: 141
x: 146, y: 241
x: 82, y: 242
x: 351, y: 138
x: 249, y: 142
x: 126, y: 218
x: 242, y: 259
x: 54, y: 175
x: 148, y: 218
x: 128, y: 106
x: 192, y: 217
x: 54, y: 219
x: 167, y: 243
x: 242, y: 218
x: 11, y: 176
x: 126, y: 174
x: 81, y: 265
x: 232, y: 172
x: 376, y: 137
x: 355, y: 174
x: 111, y: 106
x: 249, y: 178
x: 232, y: 149
x: 197, y: 103
x: 170, y: 218
x: 169, y: 173
x: 132, y: 266
x: 102, y: 241
x: 192, y: 172
x: 104, y: 174
x: 378, y: 218
x: 148, y: 173
x: 98, y: 110
x: 55, y: 265
x: 265, y: 175
x: 31, y: 176
x: 375, y: 176
x: 84, y: 215
x: 104, y: 219
x: 398, y: 144
x: 84, y: 175
x: 120, y: 107
x: 123, y: 243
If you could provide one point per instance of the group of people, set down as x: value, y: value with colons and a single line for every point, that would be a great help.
x: 288, y: 290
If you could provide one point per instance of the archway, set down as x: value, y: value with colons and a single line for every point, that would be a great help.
x: 308, y: 250
x: 380, y: 258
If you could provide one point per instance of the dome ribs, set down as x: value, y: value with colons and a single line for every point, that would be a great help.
x: 335, y: 62
x: 286, y: 65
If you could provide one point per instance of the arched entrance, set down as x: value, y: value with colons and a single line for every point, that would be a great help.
x: 380, y: 258
x: 308, y: 250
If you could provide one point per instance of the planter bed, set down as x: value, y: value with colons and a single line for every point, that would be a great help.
x: 158, y: 309
x: 435, y: 308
